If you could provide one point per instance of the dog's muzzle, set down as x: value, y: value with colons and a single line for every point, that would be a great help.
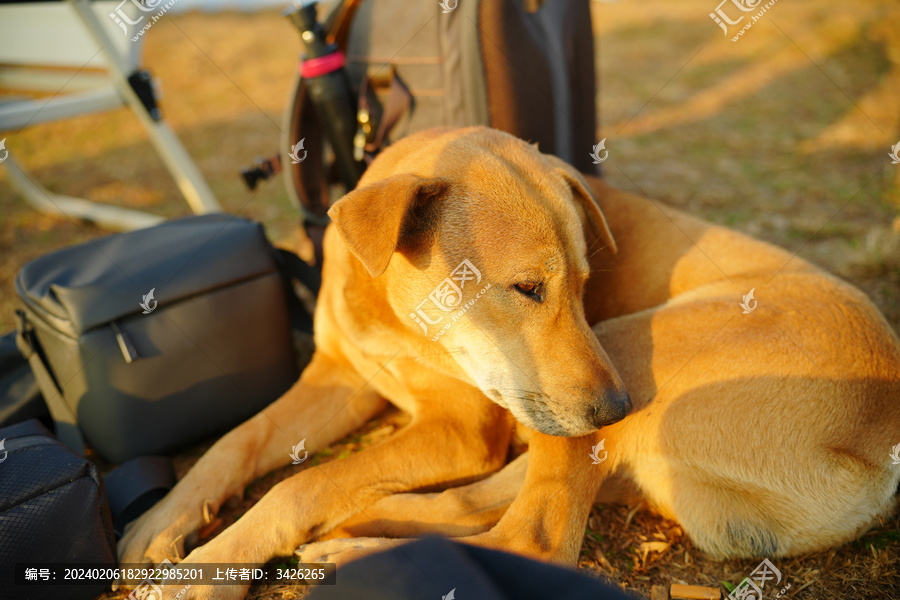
x: 613, y: 406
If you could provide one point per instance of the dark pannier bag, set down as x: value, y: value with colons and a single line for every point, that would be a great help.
x: 53, y: 510
x: 148, y: 341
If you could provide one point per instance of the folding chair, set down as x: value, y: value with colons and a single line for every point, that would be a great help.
x: 96, y: 39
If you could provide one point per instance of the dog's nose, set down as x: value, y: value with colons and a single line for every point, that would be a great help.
x: 612, y: 407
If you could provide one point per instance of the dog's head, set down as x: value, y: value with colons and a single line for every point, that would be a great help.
x: 481, y: 241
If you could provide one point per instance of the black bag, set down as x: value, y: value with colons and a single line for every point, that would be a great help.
x: 20, y: 397
x: 53, y: 509
x: 148, y: 341
x: 433, y: 567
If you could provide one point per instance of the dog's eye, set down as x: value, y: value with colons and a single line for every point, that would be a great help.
x: 532, y: 290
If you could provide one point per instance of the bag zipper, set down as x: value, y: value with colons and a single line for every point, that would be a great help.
x: 128, y: 350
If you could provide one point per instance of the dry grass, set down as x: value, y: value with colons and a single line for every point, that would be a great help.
x: 783, y: 135
x: 616, y: 548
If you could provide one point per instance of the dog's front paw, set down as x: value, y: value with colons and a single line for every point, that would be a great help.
x: 202, y: 558
x: 518, y: 540
x: 343, y: 550
x: 159, y: 533
x: 187, y: 588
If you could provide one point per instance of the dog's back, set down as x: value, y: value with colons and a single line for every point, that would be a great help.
x: 765, y: 431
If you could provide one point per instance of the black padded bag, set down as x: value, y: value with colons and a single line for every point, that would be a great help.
x: 431, y: 567
x: 20, y: 396
x: 215, y: 349
x: 53, y: 509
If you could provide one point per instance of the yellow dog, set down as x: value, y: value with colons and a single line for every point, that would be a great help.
x: 460, y: 283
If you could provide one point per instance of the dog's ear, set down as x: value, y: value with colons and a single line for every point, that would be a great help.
x: 397, y: 213
x: 586, y: 201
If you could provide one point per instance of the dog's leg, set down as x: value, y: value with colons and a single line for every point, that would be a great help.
x: 326, y: 403
x: 547, y: 518
x: 459, y: 511
x: 456, y: 512
x: 446, y: 445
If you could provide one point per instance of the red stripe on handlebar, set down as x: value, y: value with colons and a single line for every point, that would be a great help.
x: 322, y: 65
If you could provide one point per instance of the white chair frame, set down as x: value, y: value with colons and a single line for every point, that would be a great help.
x: 76, y: 34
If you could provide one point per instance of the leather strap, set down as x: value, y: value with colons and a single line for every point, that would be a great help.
x: 338, y: 23
x: 64, y: 418
x: 399, y: 102
x: 293, y: 267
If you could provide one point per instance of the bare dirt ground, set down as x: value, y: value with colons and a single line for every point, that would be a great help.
x: 783, y: 135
